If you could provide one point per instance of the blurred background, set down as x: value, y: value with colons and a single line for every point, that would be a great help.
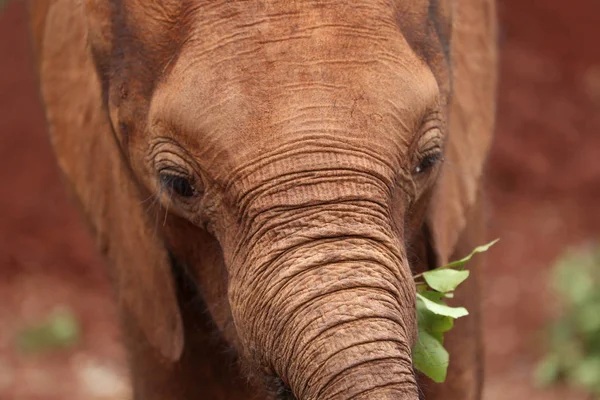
x: 544, y: 194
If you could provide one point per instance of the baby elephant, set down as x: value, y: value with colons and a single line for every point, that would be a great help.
x: 264, y: 177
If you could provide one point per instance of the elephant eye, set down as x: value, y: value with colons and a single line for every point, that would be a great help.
x: 178, y: 184
x: 427, y: 162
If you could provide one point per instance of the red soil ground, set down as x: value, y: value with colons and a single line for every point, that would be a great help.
x: 544, y: 190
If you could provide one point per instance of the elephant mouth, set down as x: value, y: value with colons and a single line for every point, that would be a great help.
x: 282, y: 391
x: 184, y: 282
x: 187, y: 289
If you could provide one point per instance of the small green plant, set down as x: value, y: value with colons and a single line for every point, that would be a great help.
x: 59, y: 330
x: 435, y: 317
x: 573, y: 354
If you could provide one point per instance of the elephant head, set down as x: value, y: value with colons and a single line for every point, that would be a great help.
x: 296, y: 156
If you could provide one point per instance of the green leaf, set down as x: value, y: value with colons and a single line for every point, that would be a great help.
x: 435, y: 325
x: 60, y: 329
x: 430, y: 357
x: 442, y: 324
x: 442, y: 309
x: 480, y: 249
x: 431, y: 323
x: 433, y: 296
x: 445, y: 280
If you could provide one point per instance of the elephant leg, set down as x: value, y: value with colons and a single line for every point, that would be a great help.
x: 465, y: 373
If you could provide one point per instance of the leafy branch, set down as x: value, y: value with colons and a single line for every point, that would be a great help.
x: 435, y: 317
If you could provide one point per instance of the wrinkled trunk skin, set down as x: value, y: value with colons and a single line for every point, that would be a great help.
x: 330, y: 320
x: 320, y: 290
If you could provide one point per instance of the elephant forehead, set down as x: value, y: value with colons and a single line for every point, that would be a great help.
x: 249, y: 37
x: 245, y: 82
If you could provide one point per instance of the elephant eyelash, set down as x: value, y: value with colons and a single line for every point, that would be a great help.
x: 177, y: 184
x: 428, y: 162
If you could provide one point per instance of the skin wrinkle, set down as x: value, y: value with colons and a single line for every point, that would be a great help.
x: 260, y: 227
x: 284, y: 39
x: 232, y: 39
x: 366, y: 234
x: 344, y: 378
x: 295, y: 349
x: 324, y: 332
x: 370, y: 282
x: 278, y: 182
x: 366, y: 262
x: 268, y: 19
x: 306, y: 242
x: 356, y: 239
x: 255, y: 210
x: 361, y: 343
x: 392, y: 271
x: 367, y: 178
x: 306, y: 246
x: 392, y: 385
x: 315, y: 357
x: 298, y: 212
x: 342, y: 374
x: 244, y: 209
x: 307, y: 122
x: 295, y: 148
x: 366, y: 284
x: 362, y: 32
x: 330, y: 239
x: 404, y: 391
x: 324, y: 335
x: 311, y: 85
x: 354, y: 379
x: 352, y: 206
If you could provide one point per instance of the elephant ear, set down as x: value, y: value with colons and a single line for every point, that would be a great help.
x: 473, y: 58
x: 91, y: 160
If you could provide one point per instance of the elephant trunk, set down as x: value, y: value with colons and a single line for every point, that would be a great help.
x: 333, y: 320
x: 322, y: 295
x: 347, y: 337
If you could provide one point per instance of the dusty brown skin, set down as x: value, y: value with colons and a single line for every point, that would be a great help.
x: 279, y: 164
